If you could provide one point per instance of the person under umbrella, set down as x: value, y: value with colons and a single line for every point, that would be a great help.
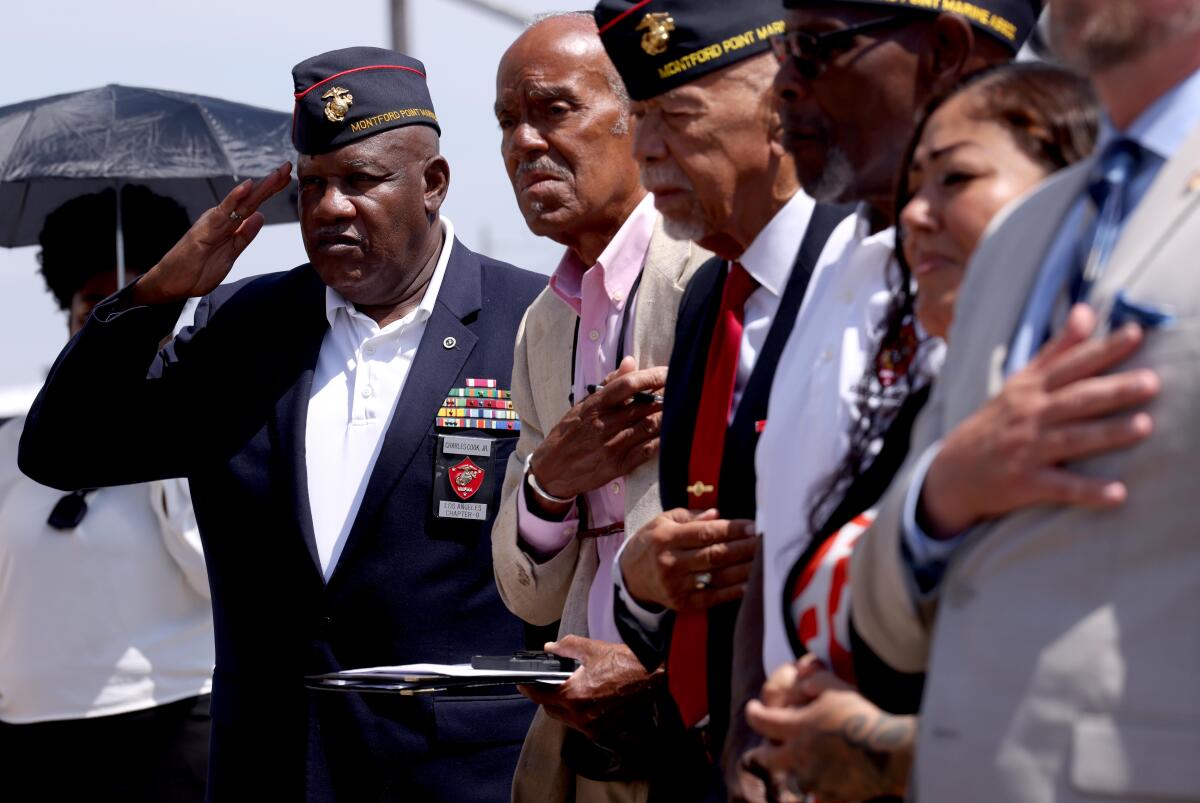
x: 105, y: 624
x: 190, y: 148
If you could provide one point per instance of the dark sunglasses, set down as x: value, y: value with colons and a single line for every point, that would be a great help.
x: 70, y: 510
x: 810, y: 53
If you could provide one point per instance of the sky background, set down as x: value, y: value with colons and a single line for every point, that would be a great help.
x: 243, y: 50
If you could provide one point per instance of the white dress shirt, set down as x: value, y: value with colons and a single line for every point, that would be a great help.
x: 109, y: 617
x: 768, y: 260
x: 813, y: 403
x: 361, y: 371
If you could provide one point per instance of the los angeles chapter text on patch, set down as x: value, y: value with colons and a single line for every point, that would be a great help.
x: 464, y: 467
x: 463, y: 477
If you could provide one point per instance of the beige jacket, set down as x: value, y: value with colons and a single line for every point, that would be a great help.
x: 1065, y: 655
x: 541, y: 593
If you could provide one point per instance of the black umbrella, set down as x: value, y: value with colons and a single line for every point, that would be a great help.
x: 188, y: 147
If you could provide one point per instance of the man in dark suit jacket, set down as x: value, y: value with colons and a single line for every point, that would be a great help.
x: 707, y: 143
x: 242, y: 406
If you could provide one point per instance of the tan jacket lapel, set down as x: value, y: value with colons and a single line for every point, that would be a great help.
x: 669, y: 265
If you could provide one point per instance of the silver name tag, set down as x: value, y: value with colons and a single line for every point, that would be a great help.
x: 458, y: 445
x: 462, y: 510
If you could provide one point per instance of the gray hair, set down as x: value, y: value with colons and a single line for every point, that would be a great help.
x: 553, y: 15
x: 621, y: 126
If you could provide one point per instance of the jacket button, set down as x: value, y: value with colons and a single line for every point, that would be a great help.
x: 324, y: 626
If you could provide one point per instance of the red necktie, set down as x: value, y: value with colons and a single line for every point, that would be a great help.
x: 687, y: 671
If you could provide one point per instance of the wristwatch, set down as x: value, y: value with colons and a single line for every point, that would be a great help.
x: 539, y: 490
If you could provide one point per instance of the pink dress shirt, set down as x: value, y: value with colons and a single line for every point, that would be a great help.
x: 598, y: 294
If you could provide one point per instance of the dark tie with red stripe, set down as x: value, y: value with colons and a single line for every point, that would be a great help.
x: 687, y: 670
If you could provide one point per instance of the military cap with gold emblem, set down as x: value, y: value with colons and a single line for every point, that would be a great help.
x: 346, y: 95
x: 1010, y: 21
x: 658, y: 45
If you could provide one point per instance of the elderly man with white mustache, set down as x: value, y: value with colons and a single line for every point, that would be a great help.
x: 707, y: 140
x: 585, y: 470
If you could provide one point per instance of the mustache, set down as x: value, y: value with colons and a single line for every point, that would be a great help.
x: 325, y: 233
x: 665, y: 175
x: 543, y: 164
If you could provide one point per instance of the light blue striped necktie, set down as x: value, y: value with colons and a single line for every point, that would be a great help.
x: 1069, y: 280
x: 1109, y: 191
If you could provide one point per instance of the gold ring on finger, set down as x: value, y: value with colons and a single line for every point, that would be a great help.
x: 234, y: 216
x: 703, y: 581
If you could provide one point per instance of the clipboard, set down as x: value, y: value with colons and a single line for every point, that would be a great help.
x: 413, y: 679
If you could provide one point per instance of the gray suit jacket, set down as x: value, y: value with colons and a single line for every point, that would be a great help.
x: 1064, y: 655
x: 541, y: 593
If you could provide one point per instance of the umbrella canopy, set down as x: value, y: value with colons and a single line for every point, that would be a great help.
x: 188, y: 147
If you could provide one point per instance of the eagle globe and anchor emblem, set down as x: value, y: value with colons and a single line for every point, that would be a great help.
x: 657, y: 27
x: 466, y: 479
x: 340, y: 101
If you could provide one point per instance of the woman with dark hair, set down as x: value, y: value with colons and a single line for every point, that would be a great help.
x: 975, y: 150
x: 106, y: 643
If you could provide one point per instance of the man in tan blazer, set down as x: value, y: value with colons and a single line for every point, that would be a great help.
x: 1040, y: 554
x: 585, y: 470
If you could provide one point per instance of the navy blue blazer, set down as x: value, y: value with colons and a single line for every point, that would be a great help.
x: 736, y: 489
x: 226, y: 407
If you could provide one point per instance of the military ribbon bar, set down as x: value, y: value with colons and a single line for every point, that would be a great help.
x: 477, y: 423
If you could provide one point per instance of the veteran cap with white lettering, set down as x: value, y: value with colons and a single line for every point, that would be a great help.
x: 349, y: 94
x: 658, y: 45
x: 1009, y: 21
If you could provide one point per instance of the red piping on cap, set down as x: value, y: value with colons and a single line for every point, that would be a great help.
x: 622, y: 16
x: 360, y: 69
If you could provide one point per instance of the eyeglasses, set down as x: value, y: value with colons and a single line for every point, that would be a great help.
x: 811, y: 53
x: 68, y: 513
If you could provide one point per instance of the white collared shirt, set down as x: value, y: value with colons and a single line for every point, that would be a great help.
x: 813, y: 403
x: 769, y: 260
x: 361, y: 371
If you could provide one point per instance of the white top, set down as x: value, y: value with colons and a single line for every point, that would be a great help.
x: 813, y: 403
x: 361, y: 371
x: 110, y: 617
x: 769, y: 260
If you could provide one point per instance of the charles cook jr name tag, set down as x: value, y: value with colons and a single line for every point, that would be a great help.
x: 463, y: 476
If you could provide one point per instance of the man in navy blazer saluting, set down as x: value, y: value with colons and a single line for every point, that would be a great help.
x: 344, y: 426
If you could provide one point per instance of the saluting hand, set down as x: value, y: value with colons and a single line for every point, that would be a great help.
x: 603, y: 437
x: 1060, y: 408
x: 203, y: 258
x: 687, y: 561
